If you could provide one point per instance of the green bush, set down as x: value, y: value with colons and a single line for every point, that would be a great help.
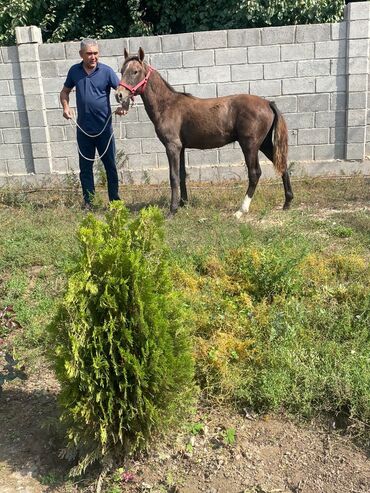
x: 120, y: 343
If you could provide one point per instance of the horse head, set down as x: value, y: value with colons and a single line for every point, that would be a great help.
x: 134, y: 77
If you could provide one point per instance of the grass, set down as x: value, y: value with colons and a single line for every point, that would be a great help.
x: 279, y: 302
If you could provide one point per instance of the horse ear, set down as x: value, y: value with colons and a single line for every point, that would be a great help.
x: 141, y: 54
x: 125, y: 52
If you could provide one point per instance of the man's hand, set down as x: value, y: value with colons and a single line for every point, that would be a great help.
x: 68, y: 113
x: 120, y: 111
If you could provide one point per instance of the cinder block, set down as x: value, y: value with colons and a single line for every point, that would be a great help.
x: 152, y: 145
x: 313, y: 136
x: 357, y: 47
x: 357, y: 82
x: 227, y: 156
x: 202, y: 90
x: 313, y: 68
x: 111, y: 47
x: 30, y: 70
x: 355, y: 151
x: 9, y: 71
x: 199, y: 58
x: 53, y: 85
x: 286, y: 104
x: 150, y: 44
x: 312, y: 32
x: 339, y: 30
x: 51, y: 51
x: 232, y: 88
x: 214, y: 74
x: 300, y: 153
x: 32, y: 87
x: 140, y: 130
x: 7, y: 120
x: 166, y: 60
x: 56, y: 134
x: 358, y: 29
x: 60, y: 165
x: 183, y: 76
x: 303, y: 51
x: 331, y: 49
x: 246, y: 72
x: 299, y: 120
x: 210, y: 39
x: 304, y: 85
x: 338, y: 66
x: 42, y: 165
x: 243, y: 37
x: 356, y: 100
x: 356, y: 135
x: 72, y: 49
x: 266, y: 88
x: 28, y: 34
x: 4, y: 88
x: 40, y: 135
x: 28, y: 53
x: 356, y: 118
x: 3, y: 167
x: 331, y: 84
x: 177, y: 42
x: 278, y: 35
x: 37, y: 118
x: 314, y: 102
x: 41, y: 150
x: 280, y: 70
x: 34, y: 102
x: 358, y: 65
x: 338, y: 101
x: 263, y: 54
x: 196, y: 158
x: 325, y: 119
x: 16, y: 135
x: 63, y: 149
x: 9, y: 151
x: 329, y: 151
x: 231, y: 56
x: 12, y: 103
x: 16, y: 167
x: 338, y: 135
x: 49, y: 68
x: 142, y: 161
x: 9, y: 54
x: 359, y: 10
x: 52, y: 101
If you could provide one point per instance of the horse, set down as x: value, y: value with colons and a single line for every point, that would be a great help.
x: 184, y: 121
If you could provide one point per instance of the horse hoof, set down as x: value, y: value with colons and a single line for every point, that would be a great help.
x: 238, y: 214
x: 286, y: 206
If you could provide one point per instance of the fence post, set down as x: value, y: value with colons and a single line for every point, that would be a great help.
x: 358, y: 34
x: 28, y: 40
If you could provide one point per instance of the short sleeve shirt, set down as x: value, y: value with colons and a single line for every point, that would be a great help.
x: 92, y: 94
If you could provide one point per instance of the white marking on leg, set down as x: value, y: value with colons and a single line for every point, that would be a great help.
x: 244, y: 207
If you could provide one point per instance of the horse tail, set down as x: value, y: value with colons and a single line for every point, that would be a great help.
x: 280, y: 145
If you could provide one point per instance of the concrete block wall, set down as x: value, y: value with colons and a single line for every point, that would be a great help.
x: 317, y: 74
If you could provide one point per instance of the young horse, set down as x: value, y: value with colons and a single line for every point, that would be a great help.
x: 182, y: 120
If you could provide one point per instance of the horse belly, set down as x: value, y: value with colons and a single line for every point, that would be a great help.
x: 196, y: 137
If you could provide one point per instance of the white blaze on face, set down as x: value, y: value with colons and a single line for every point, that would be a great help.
x: 244, y: 207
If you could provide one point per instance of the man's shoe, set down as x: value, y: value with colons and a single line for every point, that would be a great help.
x: 86, y: 206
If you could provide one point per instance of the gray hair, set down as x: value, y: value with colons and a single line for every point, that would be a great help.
x: 88, y: 42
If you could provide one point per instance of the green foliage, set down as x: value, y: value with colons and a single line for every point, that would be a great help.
x: 229, y: 436
x: 66, y: 20
x: 122, y: 347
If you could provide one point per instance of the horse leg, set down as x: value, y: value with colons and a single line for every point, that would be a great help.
x: 173, y: 151
x: 287, y: 190
x: 183, y: 191
x: 254, y: 173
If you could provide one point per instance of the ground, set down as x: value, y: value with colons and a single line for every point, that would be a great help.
x: 270, y: 454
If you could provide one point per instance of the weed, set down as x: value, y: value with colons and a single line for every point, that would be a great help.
x: 229, y: 436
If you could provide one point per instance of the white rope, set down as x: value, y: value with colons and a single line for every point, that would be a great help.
x: 92, y: 136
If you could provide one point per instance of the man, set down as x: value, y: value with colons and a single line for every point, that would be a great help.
x: 93, y: 82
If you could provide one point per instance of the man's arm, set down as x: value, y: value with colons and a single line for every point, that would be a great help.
x: 64, y: 100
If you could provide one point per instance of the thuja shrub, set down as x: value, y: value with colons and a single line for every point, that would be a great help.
x: 120, y: 341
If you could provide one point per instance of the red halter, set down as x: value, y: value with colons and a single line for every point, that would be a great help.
x: 140, y: 87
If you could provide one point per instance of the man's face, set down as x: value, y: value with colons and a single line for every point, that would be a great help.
x: 90, y: 56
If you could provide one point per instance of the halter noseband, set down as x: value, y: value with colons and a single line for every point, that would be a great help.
x: 140, y: 87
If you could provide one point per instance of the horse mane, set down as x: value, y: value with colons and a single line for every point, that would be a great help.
x: 167, y: 84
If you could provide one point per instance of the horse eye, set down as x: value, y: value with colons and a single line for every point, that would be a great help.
x: 135, y: 72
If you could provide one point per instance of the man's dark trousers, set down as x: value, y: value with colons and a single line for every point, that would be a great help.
x: 87, y: 146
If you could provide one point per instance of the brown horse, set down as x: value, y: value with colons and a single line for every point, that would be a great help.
x: 182, y: 120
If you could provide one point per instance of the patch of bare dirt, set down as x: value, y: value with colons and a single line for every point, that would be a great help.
x: 269, y: 455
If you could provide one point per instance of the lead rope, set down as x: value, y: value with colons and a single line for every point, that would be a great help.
x: 92, y: 136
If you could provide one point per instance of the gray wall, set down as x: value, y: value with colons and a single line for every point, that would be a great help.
x: 317, y: 75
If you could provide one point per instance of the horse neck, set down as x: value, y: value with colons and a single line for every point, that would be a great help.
x: 156, y: 96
